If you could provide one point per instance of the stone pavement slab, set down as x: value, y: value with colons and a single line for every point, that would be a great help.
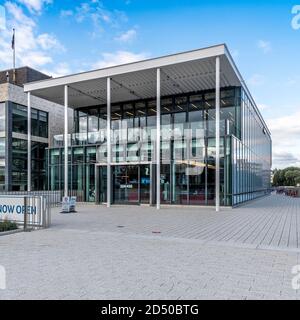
x: 199, y: 254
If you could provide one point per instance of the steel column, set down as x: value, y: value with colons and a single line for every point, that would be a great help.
x: 158, y: 115
x: 218, y: 134
x: 29, y: 141
x: 108, y: 142
x: 66, y: 169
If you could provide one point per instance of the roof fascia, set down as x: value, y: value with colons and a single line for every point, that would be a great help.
x: 128, y: 68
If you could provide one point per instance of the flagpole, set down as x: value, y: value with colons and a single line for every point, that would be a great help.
x: 14, y: 56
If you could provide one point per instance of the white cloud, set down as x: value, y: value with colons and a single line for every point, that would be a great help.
x: 32, y: 49
x: 285, y: 136
x: 256, y: 80
x: 2, y: 18
x: 265, y: 46
x: 35, y: 5
x: 94, y: 12
x: 105, y: 17
x: 119, y: 57
x: 62, y: 69
x: 66, y: 13
x: 5, y: 55
x: 292, y: 81
x: 35, y: 59
x: 48, y: 41
x: 285, y: 159
x: 83, y: 12
x: 263, y: 106
x: 127, y: 36
x: 18, y: 14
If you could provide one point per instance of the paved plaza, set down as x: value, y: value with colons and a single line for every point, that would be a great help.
x: 141, y: 253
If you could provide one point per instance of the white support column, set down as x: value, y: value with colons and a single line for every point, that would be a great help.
x: 66, y: 169
x: 108, y: 142
x: 218, y: 134
x: 158, y: 115
x: 29, y: 141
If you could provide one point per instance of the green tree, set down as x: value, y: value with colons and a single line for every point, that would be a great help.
x: 297, y: 179
x: 289, y: 176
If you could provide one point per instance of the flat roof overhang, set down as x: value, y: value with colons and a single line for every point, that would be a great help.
x: 180, y: 73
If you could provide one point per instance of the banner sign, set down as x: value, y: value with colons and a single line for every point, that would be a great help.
x: 12, y: 208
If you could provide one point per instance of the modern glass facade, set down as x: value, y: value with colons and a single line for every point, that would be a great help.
x: 19, y: 165
x: 187, y: 151
x: 14, y: 130
x: 13, y: 159
x: 251, y: 156
x: 82, y: 162
x: 39, y: 129
x: 39, y: 121
x: 2, y: 144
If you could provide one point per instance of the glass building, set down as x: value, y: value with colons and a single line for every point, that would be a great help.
x: 13, y: 147
x: 181, y: 129
x: 16, y: 154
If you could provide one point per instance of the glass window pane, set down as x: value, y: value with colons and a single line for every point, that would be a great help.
x: 19, y: 119
x: 2, y: 178
x: 54, y: 156
x: 90, y: 154
x: 2, y: 117
x: 2, y: 152
x: 166, y: 105
x: 34, y: 123
x: 93, y: 124
x: 180, y: 104
x: 78, y: 155
x: 43, y: 124
x: 83, y: 124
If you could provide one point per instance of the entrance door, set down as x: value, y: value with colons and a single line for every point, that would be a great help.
x: 126, y: 184
x: 101, y: 184
x: 131, y: 184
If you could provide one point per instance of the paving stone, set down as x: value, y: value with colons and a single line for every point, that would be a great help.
x: 85, y: 255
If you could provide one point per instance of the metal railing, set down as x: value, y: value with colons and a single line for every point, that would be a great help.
x: 31, y: 212
x: 37, y: 213
x: 53, y: 197
x: 199, y: 129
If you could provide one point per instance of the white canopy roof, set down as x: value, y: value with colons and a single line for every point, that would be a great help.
x: 183, y: 72
x: 180, y: 73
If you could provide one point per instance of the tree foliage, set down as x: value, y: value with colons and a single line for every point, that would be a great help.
x: 286, y: 177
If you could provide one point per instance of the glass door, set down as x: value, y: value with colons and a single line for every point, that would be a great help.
x: 145, y: 183
x: 102, y: 184
x: 132, y: 186
x: 126, y: 184
x: 180, y: 180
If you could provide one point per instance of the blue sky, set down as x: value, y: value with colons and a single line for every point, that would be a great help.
x: 61, y: 37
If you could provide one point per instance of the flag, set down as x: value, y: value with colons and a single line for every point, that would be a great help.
x: 13, y: 41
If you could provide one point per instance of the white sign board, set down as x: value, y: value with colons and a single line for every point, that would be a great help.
x: 65, y: 205
x: 73, y: 204
x: 12, y: 208
x: 68, y: 204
